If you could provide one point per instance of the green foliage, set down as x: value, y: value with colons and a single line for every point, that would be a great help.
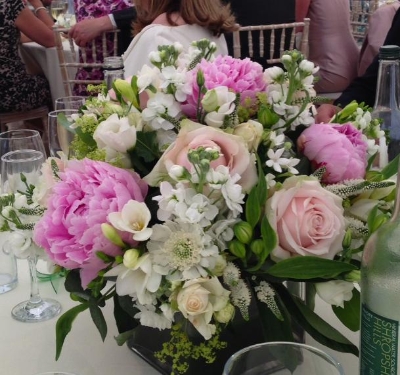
x: 145, y: 153
x: 350, y: 314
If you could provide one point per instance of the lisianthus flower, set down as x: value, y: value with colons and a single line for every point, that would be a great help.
x: 335, y: 292
x: 70, y: 229
x: 307, y: 218
x: 341, y: 149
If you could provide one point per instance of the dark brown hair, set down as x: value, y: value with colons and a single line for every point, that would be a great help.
x: 214, y: 15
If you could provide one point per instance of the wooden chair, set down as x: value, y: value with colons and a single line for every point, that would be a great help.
x: 360, y: 12
x: 278, y: 37
x: 41, y: 112
x: 69, y: 58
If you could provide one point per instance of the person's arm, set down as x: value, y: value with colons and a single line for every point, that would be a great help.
x: 363, y: 89
x: 30, y: 25
x: 41, y: 13
x: 86, y: 30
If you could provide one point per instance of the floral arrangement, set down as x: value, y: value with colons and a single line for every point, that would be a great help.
x: 199, y: 188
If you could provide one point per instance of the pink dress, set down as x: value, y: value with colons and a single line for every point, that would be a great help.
x: 94, y: 9
x: 332, y: 46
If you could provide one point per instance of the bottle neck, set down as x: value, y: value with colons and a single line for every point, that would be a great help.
x: 387, y: 89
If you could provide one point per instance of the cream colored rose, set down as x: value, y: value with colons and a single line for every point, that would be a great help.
x: 307, y: 218
x: 251, y: 131
x: 232, y: 149
x: 199, y: 299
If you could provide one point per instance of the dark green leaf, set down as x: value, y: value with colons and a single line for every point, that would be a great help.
x: 317, y: 327
x: 73, y: 282
x: 124, y: 311
x: 64, y: 325
x: 85, y: 137
x: 350, y: 314
x: 309, y: 267
x: 146, y: 147
x: 391, y: 169
x: 98, y: 319
x: 253, y: 209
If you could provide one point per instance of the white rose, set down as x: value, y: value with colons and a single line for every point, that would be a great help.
x: 199, y: 299
x: 115, y: 133
x: 335, y: 292
x: 251, y: 131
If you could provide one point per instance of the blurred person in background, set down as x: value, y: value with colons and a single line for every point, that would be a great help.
x: 160, y: 22
x: 331, y: 43
x: 19, y: 90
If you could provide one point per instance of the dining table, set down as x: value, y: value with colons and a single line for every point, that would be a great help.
x: 30, y: 348
x: 42, y: 60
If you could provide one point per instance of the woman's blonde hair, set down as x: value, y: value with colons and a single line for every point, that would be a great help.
x: 211, y: 14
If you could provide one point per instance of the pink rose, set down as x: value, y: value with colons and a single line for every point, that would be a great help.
x: 233, y: 153
x: 340, y: 148
x: 307, y: 219
x: 70, y: 230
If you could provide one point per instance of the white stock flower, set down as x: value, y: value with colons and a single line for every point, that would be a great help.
x: 20, y: 243
x: 233, y: 194
x: 335, y: 292
x: 133, y: 218
x: 147, y: 76
x: 273, y: 74
x: 176, y: 77
x: 275, y: 160
x: 115, y: 133
x: 307, y: 66
x: 158, y: 105
x: 141, y: 281
x: 199, y: 299
x: 149, y: 317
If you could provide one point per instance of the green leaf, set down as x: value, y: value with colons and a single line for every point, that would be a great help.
x: 145, y: 152
x: 253, y: 208
x: 371, y: 218
x: 317, y: 327
x: 64, y: 325
x: 85, y: 137
x: 73, y: 282
x: 63, y: 121
x: 136, y: 99
x: 309, y: 267
x: 350, y: 314
x: 391, y: 169
x: 124, y: 311
x: 98, y: 318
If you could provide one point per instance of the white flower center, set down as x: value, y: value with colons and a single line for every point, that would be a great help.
x: 184, y: 249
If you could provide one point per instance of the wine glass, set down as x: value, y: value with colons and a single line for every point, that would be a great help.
x: 27, y: 164
x: 69, y: 102
x: 60, y: 136
x: 58, y: 8
x: 282, y: 358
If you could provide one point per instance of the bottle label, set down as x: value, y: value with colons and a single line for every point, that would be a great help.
x: 379, y: 344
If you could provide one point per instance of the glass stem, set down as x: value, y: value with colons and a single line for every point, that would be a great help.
x: 35, y: 297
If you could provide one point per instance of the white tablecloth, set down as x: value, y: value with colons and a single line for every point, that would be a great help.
x: 39, y: 59
x: 29, y: 348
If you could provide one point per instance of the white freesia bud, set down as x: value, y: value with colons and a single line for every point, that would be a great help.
x: 251, y: 131
x: 335, y: 292
x: 178, y: 47
x: 154, y: 56
x: 131, y: 257
x: 286, y: 58
x: 176, y: 172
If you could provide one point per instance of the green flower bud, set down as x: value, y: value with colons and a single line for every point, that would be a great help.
x: 111, y: 234
x: 243, y: 232
x: 353, y: 276
x: 378, y: 222
x: 348, y: 110
x: 266, y: 117
x: 347, y: 239
x: 257, y: 247
x: 125, y: 89
x: 237, y: 249
x: 200, y: 78
x: 226, y: 314
x: 131, y: 257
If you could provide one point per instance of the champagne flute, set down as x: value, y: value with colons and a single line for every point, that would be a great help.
x: 60, y: 137
x: 69, y: 102
x: 58, y: 8
x: 16, y: 164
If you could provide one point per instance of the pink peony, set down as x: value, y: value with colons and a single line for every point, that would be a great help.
x: 307, y: 218
x: 340, y: 148
x: 70, y: 230
x: 241, y: 76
